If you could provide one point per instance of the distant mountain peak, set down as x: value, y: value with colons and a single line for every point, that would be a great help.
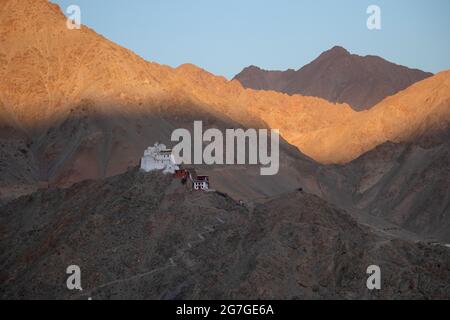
x: 337, y: 76
x: 253, y: 67
x: 337, y: 50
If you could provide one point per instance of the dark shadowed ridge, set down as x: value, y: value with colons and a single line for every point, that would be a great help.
x: 147, y: 236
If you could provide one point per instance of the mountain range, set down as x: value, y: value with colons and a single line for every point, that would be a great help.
x: 337, y: 76
x: 77, y: 111
x: 87, y: 107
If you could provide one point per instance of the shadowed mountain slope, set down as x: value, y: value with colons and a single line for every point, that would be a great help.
x: 145, y: 236
x: 406, y: 184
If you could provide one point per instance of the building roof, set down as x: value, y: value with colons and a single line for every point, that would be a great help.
x: 198, y: 178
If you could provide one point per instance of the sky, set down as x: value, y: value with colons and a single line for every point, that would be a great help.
x: 225, y: 36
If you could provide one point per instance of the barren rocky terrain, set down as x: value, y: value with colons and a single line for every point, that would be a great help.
x: 146, y: 236
x: 405, y: 184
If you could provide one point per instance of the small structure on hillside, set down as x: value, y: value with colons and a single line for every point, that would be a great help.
x: 199, y: 182
x: 202, y: 183
x: 181, y: 174
x: 158, y: 157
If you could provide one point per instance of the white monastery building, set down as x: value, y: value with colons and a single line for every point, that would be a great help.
x: 158, y: 157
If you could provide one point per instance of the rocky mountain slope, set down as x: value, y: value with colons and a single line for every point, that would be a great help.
x: 406, y: 184
x: 17, y: 166
x: 337, y: 76
x: 146, y: 236
x: 422, y: 108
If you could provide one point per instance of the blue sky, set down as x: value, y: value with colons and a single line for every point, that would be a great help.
x: 227, y: 35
